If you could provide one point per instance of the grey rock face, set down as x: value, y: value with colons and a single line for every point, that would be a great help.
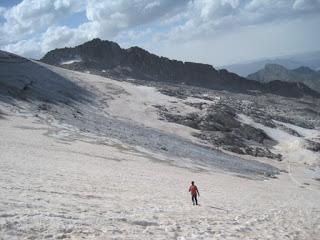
x: 108, y: 59
x: 313, y: 146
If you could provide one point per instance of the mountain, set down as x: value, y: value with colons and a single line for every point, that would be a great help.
x: 107, y: 58
x: 270, y: 72
x: 309, y: 59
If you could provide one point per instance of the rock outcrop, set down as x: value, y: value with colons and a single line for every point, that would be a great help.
x: 220, y: 127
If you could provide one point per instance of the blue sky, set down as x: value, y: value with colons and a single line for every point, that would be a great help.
x: 211, y: 31
x: 9, y: 3
x: 74, y: 20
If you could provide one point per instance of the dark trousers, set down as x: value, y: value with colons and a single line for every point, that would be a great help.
x: 194, y: 199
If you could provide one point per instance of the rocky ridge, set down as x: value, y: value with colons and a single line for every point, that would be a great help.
x: 107, y: 58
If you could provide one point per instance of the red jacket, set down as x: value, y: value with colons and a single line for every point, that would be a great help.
x: 193, y: 189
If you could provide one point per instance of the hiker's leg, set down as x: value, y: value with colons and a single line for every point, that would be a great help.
x: 196, y: 200
x: 192, y: 198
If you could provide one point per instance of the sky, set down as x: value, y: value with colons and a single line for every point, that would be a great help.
x: 218, y: 32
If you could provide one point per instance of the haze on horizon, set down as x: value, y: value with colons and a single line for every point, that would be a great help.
x: 217, y: 32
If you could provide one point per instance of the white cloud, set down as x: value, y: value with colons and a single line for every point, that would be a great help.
x: 54, y: 37
x: 107, y: 19
x: 29, y: 48
x: 160, y: 22
x: 117, y: 16
x: 207, y: 17
x: 152, y: 5
x: 58, y: 37
x: 247, y: 43
x: 32, y: 16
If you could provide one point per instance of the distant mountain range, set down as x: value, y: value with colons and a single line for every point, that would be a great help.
x: 107, y: 58
x: 271, y: 72
x: 309, y: 59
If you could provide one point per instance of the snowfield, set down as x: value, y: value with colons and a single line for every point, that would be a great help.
x: 103, y: 165
x: 89, y: 188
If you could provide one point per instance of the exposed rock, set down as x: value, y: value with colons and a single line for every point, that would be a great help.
x: 199, y: 105
x: 289, y: 130
x: 164, y: 148
x: 263, y: 109
x: 262, y: 152
x: 107, y: 58
x: 250, y: 133
x: 220, y: 127
x: 44, y: 107
x: 174, y: 93
x: 313, y: 146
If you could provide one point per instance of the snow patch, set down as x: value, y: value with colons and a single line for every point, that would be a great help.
x: 142, y: 110
x: 119, y: 69
x: 291, y: 147
x: 307, y: 133
x: 71, y: 61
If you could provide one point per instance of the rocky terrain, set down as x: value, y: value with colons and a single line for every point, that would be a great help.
x: 219, y: 124
x: 108, y: 59
x: 272, y: 72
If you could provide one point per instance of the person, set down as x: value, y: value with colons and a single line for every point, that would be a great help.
x: 194, y: 193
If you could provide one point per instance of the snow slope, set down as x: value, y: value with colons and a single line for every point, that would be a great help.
x: 98, y: 163
x: 53, y: 188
